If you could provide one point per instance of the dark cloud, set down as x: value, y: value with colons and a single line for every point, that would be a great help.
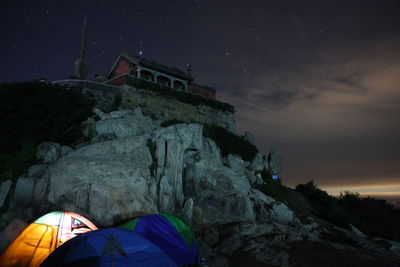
x: 334, y: 122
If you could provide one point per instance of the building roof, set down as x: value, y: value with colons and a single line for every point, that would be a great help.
x: 204, y: 87
x: 152, y: 64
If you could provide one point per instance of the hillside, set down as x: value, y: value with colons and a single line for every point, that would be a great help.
x: 127, y: 163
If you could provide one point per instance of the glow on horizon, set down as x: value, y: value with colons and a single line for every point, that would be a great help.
x: 366, y: 190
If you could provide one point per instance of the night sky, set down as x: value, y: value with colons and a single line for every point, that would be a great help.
x: 319, y: 81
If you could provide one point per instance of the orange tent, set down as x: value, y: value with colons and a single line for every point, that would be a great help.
x: 42, y: 237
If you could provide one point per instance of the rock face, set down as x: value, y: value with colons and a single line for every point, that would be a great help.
x: 48, y: 152
x: 133, y: 166
x: 4, y: 189
x: 275, y: 162
x: 168, y: 109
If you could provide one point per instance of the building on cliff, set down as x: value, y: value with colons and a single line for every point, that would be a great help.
x: 137, y: 67
x: 127, y: 68
x: 167, y: 93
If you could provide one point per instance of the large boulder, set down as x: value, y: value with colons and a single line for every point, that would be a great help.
x: 275, y: 162
x: 236, y: 164
x: 257, y: 163
x: 48, y: 152
x: 4, y: 190
x: 173, y: 143
x: 105, y: 180
x: 123, y: 123
x: 221, y: 195
x: 24, y: 192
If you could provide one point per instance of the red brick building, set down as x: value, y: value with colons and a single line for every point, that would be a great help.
x: 152, y: 71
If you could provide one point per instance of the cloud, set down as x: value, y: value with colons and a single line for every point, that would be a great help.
x: 335, y: 118
x: 341, y: 93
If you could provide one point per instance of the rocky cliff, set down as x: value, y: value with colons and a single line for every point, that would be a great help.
x: 131, y: 165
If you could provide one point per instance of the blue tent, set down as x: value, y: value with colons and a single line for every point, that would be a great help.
x: 109, y: 247
x: 169, y: 233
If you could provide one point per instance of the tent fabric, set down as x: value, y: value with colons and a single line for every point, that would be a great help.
x: 109, y: 247
x: 42, y: 237
x: 182, y: 228
x: 169, y: 233
x: 131, y: 225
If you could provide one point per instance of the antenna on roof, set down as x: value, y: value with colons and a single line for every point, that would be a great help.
x: 81, y: 64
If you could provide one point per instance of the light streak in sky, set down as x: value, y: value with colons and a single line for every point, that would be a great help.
x: 258, y: 107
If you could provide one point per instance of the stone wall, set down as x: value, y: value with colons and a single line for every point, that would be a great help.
x: 168, y: 109
x: 109, y: 98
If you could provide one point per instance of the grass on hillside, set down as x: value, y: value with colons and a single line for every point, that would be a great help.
x: 35, y: 112
x: 374, y: 217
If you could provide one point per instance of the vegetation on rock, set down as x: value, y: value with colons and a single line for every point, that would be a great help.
x: 182, y: 96
x: 372, y: 216
x: 272, y: 187
x: 170, y: 122
x: 34, y: 112
x: 230, y: 143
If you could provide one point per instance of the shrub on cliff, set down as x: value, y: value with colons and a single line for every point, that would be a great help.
x: 372, y: 216
x: 34, y: 112
x: 230, y: 143
x: 171, y: 122
x: 182, y: 96
x: 272, y: 187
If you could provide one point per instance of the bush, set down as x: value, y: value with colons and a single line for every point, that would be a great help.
x: 372, y: 216
x: 34, y: 112
x: 272, y: 188
x: 230, y: 143
x: 170, y: 122
x: 182, y: 96
x: 14, y: 163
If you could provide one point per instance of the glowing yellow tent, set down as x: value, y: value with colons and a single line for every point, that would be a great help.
x: 42, y: 237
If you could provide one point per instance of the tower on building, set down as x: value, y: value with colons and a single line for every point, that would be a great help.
x: 81, y: 64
